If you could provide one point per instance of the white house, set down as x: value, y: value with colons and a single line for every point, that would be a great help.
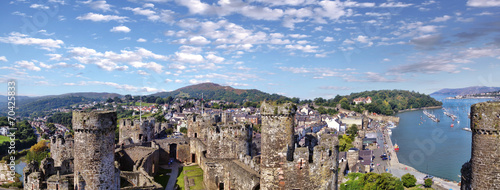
x: 333, y: 123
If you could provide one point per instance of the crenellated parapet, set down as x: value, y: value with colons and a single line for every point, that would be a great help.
x: 483, y: 170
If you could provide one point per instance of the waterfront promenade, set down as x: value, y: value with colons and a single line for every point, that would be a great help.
x: 398, y: 169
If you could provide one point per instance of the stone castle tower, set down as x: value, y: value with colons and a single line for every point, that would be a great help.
x: 94, y: 150
x: 278, y: 141
x: 483, y: 169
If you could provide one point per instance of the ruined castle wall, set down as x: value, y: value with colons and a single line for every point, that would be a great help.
x: 136, y: 131
x: 61, y: 149
x: 94, y: 149
x: 277, y: 138
x: 485, y: 162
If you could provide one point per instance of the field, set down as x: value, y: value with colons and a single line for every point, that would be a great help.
x: 192, y: 172
x: 4, y: 138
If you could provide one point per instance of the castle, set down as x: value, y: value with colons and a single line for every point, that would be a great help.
x: 230, y: 155
x: 483, y: 169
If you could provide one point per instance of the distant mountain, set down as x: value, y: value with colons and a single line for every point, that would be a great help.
x: 218, y: 92
x: 464, y: 91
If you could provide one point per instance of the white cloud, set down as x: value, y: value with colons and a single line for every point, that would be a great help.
x: 62, y: 65
x: 298, y: 35
x: 120, y: 29
x: 28, y: 65
x: 168, y: 80
x: 328, y: 39
x: 386, y: 59
x: 38, y: 6
x: 483, y: 3
x: 102, y: 18
x: 441, y: 19
x: 141, y: 40
x: 141, y: 72
x: 188, y: 57
x: 98, y: 5
x: 194, y: 81
x: 306, y: 48
x: 3, y: 58
x: 214, y: 58
x: 393, y: 4
x: 112, y: 61
x: 23, y: 39
x: 198, y: 40
x: 177, y: 81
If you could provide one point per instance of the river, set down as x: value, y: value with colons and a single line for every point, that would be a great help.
x: 436, y: 148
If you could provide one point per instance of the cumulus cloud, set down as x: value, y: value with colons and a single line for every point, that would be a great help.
x: 394, y: 4
x: 483, y: 3
x: 39, y: 6
x: 3, y: 58
x: 27, y: 65
x: 62, y: 65
x: 306, y: 48
x: 441, y: 19
x: 334, y: 88
x: 328, y: 39
x: 98, y: 5
x: 141, y: 40
x: 214, y: 58
x: 148, y: 10
x: 102, y: 18
x: 188, y: 57
x: 121, y: 28
x: 110, y: 60
x: 23, y: 39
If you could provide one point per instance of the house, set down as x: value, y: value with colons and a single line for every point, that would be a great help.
x: 332, y: 123
x: 4, y: 130
x: 366, y: 100
x: 365, y: 159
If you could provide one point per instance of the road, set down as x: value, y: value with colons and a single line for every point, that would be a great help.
x: 173, y: 175
x: 379, y: 165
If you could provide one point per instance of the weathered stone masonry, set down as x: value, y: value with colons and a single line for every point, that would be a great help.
x: 483, y: 169
x: 94, y: 150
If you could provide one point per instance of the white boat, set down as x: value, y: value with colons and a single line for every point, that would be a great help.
x: 389, y: 131
x: 467, y: 129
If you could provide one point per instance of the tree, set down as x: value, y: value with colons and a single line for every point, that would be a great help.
x: 408, y: 180
x: 159, y: 101
x: 353, y: 129
x: 184, y: 130
x: 428, y: 182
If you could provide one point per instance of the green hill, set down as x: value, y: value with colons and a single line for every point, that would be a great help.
x: 214, y: 91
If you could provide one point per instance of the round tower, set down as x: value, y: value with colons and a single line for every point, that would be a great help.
x: 277, y: 143
x: 94, y: 150
x: 485, y: 162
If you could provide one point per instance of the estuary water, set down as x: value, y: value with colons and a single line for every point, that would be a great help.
x: 436, y: 148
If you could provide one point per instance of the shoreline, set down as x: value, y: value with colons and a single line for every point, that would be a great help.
x: 396, y: 167
x: 415, y: 109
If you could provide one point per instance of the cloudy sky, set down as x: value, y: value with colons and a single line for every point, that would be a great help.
x: 298, y: 48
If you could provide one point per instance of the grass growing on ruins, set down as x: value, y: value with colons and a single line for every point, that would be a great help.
x: 4, y: 138
x: 192, y: 172
x: 162, y: 177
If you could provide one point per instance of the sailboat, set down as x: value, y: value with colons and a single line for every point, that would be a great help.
x: 396, y: 147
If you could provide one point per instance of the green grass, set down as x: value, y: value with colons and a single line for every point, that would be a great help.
x: 162, y: 177
x: 4, y: 138
x: 197, y: 180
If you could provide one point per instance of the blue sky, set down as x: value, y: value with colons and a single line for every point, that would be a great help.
x: 298, y: 48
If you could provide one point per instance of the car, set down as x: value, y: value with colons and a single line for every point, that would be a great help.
x: 428, y: 177
x: 383, y: 155
x: 384, y: 158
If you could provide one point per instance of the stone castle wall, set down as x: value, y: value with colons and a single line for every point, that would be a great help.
x: 94, y: 149
x: 135, y: 131
x: 485, y: 163
x: 61, y: 149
